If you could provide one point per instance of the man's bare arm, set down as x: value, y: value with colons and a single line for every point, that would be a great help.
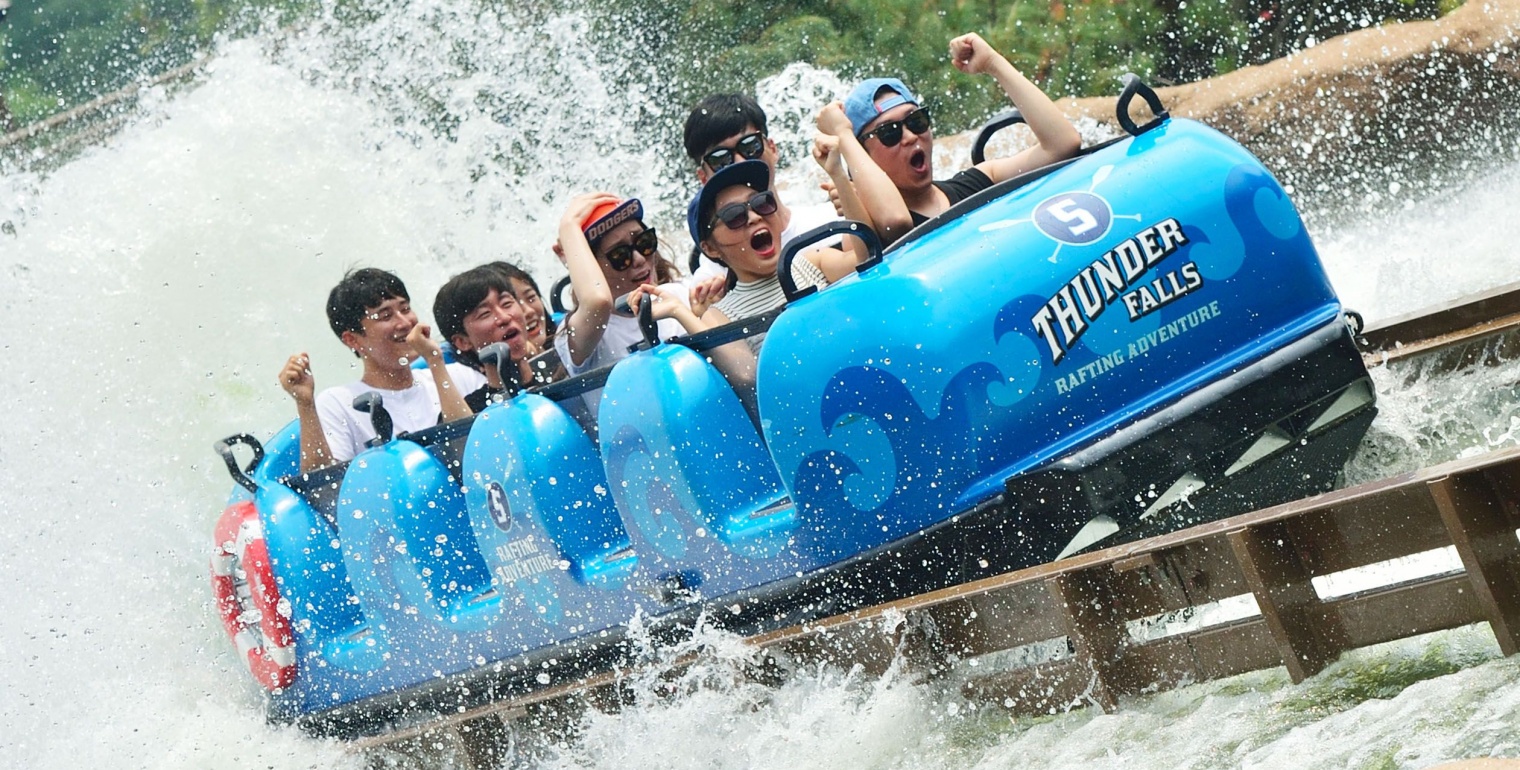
x: 1056, y: 138
x: 296, y: 379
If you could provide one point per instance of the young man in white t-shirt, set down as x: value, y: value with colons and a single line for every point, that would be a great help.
x: 371, y: 313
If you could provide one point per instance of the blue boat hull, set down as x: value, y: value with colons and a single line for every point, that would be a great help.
x: 1128, y: 344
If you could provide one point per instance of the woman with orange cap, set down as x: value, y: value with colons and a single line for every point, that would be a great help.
x: 610, y: 252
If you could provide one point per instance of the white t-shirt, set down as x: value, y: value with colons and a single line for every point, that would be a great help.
x: 347, y: 429
x: 466, y: 379
x: 621, y: 333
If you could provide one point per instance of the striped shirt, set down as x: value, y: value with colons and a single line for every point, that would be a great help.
x: 752, y: 298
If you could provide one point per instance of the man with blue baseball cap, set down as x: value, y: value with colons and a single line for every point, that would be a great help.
x: 889, y: 121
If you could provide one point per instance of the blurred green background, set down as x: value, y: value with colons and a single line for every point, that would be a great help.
x: 61, y: 53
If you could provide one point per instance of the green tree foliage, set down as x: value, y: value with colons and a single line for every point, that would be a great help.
x: 63, y: 52
x: 1069, y: 47
x: 58, y: 53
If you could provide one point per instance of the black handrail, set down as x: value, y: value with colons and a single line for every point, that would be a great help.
x: 1133, y: 85
x: 557, y: 295
x: 998, y: 122
x: 801, y: 242
x: 441, y: 433
x: 240, y: 475
x: 700, y: 342
x: 730, y: 332
x: 575, y: 386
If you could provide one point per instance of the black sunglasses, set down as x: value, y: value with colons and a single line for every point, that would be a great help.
x: 620, y: 257
x: 749, y: 146
x: 891, y: 132
x: 735, y: 215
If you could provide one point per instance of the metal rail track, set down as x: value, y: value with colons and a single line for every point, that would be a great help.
x: 1084, y: 607
x: 1473, y: 329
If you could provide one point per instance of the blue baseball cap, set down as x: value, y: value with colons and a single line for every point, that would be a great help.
x: 754, y: 174
x: 861, y: 107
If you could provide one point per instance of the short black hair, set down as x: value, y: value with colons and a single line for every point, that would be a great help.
x: 465, y: 292
x: 513, y: 272
x: 718, y: 117
x: 360, y: 290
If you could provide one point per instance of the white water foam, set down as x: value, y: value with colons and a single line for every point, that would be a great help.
x: 1429, y: 244
x: 150, y: 288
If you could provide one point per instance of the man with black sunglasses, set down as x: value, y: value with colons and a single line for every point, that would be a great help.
x: 723, y: 129
x: 720, y: 131
x: 896, y: 131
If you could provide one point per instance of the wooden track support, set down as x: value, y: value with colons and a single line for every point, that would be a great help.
x: 1305, y: 638
x: 1093, y: 628
x: 1097, y: 628
x: 1484, y: 536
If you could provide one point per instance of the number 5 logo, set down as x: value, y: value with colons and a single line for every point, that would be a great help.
x: 1076, y: 218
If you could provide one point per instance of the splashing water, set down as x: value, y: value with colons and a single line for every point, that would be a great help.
x: 151, y: 287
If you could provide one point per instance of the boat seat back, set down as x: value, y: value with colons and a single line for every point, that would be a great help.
x: 537, y: 495
x: 307, y: 561
x: 677, y: 442
x: 407, y: 541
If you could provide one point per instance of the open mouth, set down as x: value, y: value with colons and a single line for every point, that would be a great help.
x: 919, y: 160
x: 517, y: 340
x: 762, y: 242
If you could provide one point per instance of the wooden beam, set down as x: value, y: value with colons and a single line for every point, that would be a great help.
x: 1094, y: 629
x: 1276, y: 574
x: 1215, y: 652
x: 1485, y: 539
x: 1421, y: 606
x: 1466, y: 319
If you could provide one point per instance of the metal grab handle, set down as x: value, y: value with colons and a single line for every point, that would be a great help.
x: 998, y: 122
x: 1134, y: 85
x: 647, y: 325
x: 372, y: 404
x: 839, y: 227
x: 557, y: 295
x: 499, y: 355
x: 240, y: 475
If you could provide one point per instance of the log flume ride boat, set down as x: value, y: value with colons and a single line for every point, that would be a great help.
x: 1127, y: 343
